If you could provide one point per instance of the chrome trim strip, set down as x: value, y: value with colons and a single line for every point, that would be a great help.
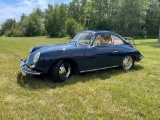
x: 98, y: 69
x: 30, y: 72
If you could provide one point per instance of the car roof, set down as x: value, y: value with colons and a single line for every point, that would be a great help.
x: 101, y: 32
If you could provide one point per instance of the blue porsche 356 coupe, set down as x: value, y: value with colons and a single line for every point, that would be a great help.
x: 88, y: 51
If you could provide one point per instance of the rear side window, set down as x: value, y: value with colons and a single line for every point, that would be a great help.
x: 117, y: 40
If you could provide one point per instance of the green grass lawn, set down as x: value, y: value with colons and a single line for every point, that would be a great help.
x: 107, y: 94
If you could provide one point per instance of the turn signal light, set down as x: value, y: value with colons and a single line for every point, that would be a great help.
x: 31, y: 67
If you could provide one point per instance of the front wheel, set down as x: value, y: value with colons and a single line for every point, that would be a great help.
x: 127, y: 63
x: 61, y: 71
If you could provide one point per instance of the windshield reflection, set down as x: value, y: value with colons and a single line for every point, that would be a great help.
x: 83, y: 38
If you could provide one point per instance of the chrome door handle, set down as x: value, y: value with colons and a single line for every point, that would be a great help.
x: 115, y: 51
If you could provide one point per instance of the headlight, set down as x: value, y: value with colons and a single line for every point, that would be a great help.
x: 36, y: 57
x: 30, y: 50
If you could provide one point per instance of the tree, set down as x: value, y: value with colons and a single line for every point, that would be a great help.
x: 152, y: 19
x: 20, y: 29
x: 133, y: 16
x: 136, y: 18
x: 55, y: 20
x: 62, y: 20
x: 7, y: 25
x: 73, y: 27
x: 39, y: 12
x: 159, y: 20
x: 52, y: 22
x: 74, y: 10
x: 34, y: 25
x: 159, y: 35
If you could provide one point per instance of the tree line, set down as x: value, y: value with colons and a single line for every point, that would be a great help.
x: 135, y: 18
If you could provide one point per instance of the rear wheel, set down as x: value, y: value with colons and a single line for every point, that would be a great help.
x: 61, y: 71
x: 128, y: 62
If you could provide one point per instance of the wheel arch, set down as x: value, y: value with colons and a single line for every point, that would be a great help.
x: 127, y: 65
x: 134, y: 57
x: 74, y: 65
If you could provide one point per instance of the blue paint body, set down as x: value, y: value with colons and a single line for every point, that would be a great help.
x: 84, y: 57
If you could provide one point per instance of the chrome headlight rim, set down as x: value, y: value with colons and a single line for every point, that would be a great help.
x: 36, y: 57
x: 30, y: 50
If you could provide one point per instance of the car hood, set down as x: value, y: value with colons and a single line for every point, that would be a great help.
x: 57, y: 47
x: 50, y: 53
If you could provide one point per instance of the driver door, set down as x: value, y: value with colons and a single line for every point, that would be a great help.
x: 100, y: 55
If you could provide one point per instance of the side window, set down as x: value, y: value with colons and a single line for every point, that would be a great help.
x: 104, y: 39
x: 117, y: 40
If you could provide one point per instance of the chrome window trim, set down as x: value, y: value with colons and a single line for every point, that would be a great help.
x: 96, y: 37
x: 112, y: 39
x: 119, y: 38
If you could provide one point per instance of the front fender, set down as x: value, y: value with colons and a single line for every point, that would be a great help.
x: 36, y: 48
x: 47, y: 59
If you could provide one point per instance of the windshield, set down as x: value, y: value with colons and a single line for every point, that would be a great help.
x: 83, y: 38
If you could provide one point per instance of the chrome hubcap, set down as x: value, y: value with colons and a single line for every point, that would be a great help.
x: 64, y: 71
x: 127, y: 62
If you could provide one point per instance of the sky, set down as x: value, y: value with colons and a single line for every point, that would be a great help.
x: 15, y: 8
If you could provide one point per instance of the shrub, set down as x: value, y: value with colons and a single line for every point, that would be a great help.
x: 73, y: 27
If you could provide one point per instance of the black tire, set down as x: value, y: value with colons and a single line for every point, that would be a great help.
x: 60, y: 71
x: 127, y: 62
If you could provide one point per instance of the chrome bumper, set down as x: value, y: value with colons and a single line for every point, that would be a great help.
x: 141, y: 57
x: 26, y: 70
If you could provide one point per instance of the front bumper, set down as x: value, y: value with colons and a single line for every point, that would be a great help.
x: 26, y: 70
x: 139, y: 58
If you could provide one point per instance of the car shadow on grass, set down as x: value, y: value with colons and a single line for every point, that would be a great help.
x: 29, y: 81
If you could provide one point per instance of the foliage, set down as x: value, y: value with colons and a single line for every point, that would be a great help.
x: 153, y: 19
x: 34, y: 24
x: 159, y: 35
x: 73, y: 27
x: 55, y: 19
x: 62, y: 20
x: 7, y: 25
x: 135, y: 18
x: 21, y: 27
x: 52, y: 23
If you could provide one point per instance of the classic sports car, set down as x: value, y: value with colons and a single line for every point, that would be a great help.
x: 88, y: 51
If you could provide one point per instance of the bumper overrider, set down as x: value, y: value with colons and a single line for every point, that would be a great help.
x: 140, y: 58
x: 27, y: 70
